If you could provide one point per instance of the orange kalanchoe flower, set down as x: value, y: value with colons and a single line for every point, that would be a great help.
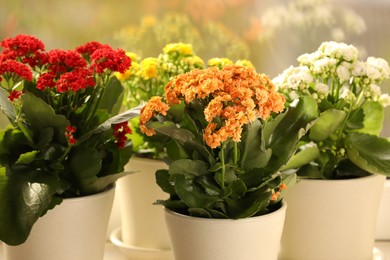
x: 232, y: 97
x: 154, y: 106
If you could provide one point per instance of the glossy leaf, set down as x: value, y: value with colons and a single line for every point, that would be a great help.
x: 369, y: 152
x: 32, y: 193
x: 328, y: 122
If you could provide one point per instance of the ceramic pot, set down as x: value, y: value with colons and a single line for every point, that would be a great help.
x: 332, y: 219
x: 143, y: 223
x: 74, y: 230
x: 252, y: 238
x: 383, y: 225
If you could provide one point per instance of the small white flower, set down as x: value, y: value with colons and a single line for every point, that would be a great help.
x: 322, y: 88
x: 293, y: 95
x: 375, y: 90
x: 324, y: 65
x: 381, y: 65
x: 384, y: 100
x: 343, y: 71
x: 359, y: 69
x: 373, y: 73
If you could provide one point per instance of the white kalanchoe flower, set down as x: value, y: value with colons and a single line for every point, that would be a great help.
x: 324, y: 66
x: 344, y: 71
x: 359, y: 69
x: 373, y: 72
x: 381, y: 65
x: 384, y: 100
x: 374, y: 91
x: 321, y: 88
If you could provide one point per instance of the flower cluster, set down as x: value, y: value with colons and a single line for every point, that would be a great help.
x: 236, y: 96
x: 146, y: 78
x: 62, y: 115
x: 351, y: 104
x: 334, y: 71
x: 223, y: 160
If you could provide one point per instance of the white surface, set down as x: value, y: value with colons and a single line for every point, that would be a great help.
x: 113, y: 253
x: 383, y: 224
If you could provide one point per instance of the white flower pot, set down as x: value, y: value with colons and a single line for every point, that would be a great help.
x: 143, y: 223
x: 383, y: 225
x: 226, y: 239
x: 74, y: 230
x: 332, y: 219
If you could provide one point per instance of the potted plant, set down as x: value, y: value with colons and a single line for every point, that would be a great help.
x: 64, y: 149
x: 142, y: 224
x: 231, y: 140
x: 334, y: 215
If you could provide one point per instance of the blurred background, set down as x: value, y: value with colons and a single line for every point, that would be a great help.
x: 269, y: 33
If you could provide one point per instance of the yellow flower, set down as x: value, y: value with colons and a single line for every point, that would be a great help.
x: 245, y: 63
x: 219, y: 62
x: 194, y: 61
x: 133, y: 56
x: 181, y: 48
x: 149, y: 68
x: 131, y: 71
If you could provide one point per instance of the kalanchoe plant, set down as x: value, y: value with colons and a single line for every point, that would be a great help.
x: 345, y: 141
x: 65, y: 137
x: 146, y: 78
x: 231, y: 140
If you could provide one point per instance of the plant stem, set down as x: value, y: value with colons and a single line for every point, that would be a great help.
x: 223, y: 166
x: 235, y: 154
x: 25, y: 132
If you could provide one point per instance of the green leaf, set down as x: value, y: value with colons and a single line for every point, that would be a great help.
x: 252, y: 151
x: 26, y: 158
x: 162, y: 180
x: 112, y: 97
x: 369, y: 152
x: 286, y: 136
x: 24, y: 197
x: 303, y: 157
x: 85, y: 164
x: 6, y: 106
x: 188, y: 167
x: 102, y: 183
x: 249, y: 205
x: 175, y: 151
x: 122, y: 117
x: 328, y: 122
x: 40, y: 115
x: 373, y: 118
x: 193, y: 195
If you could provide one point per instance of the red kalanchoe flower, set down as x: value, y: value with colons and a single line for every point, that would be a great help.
x: 23, y: 45
x: 120, y: 131
x: 90, y: 47
x: 61, y: 61
x: 46, y: 80
x: 69, y: 130
x: 75, y: 80
x: 24, y: 48
x: 107, y: 58
x: 14, y: 94
x: 10, y: 67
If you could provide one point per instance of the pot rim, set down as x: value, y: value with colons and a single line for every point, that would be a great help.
x: 279, y: 211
